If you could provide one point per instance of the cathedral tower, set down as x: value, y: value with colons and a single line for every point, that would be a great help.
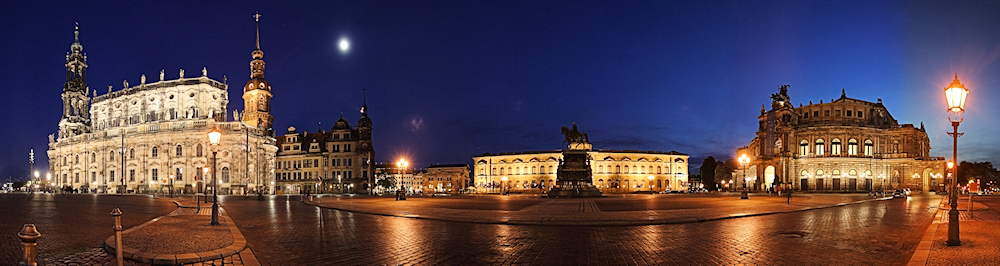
x: 257, y: 92
x: 76, y: 104
x: 365, y: 149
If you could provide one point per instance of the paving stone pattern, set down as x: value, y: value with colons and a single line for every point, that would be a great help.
x: 69, y: 223
x: 282, y: 230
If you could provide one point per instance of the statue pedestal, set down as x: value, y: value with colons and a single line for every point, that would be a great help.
x: 574, y: 177
x: 580, y: 146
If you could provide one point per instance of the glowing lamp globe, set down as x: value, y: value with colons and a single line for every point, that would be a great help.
x: 956, y: 94
x: 214, y: 135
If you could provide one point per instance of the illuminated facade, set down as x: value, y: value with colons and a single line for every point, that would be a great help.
x: 142, y: 137
x: 444, y: 178
x: 338, y: 160
x: 613, y: 171
x: 841, y: 146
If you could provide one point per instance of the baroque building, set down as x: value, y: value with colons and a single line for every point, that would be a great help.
x: 445, y: 178
x: 153, y: 137
x: 614, y: 171
x: 339, y: 160
x: 841, y: 146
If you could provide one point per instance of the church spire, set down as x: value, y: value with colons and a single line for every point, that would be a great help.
x: 257, y: 92
x: 76, y: 103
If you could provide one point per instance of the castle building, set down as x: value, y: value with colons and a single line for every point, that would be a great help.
x: 445, y: 178
x: 844, y: 145
x: 153, y: 137
x: 340, y: 160
x: 614, y: 171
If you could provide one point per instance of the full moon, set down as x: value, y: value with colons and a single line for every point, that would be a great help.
x: 344, y: 45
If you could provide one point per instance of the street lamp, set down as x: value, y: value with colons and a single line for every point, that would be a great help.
x: 956, y: 94
x: 744, y: 162
x: 204, y: 175
x: 650, y: 183
x: 213, y: 137
x: 401, y: 194
x: 171, y: 186
x: 503, y: 182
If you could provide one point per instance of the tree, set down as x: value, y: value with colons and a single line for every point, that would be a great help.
x: 386, y: 184
x: 707, y: 172
x: 983, y: 171
x: 724, y: 171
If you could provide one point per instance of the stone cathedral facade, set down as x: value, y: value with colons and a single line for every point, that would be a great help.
x: 153, y: 136
x: 845, y: 145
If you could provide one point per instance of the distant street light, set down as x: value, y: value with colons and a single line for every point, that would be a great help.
x: 956, y: 94
x: 744, y: 162
x: 401, y: 192
x: 650, y: 183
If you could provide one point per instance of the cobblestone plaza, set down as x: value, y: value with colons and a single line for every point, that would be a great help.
x: 286, y: 230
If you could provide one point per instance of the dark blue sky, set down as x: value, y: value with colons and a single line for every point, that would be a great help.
x: 450, y: 80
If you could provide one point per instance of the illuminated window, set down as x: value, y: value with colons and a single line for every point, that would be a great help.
x: 852, y: 147
x: 819, y: 146
x: 835, y: 147
x: 868, y: 147
x: 803, y: 148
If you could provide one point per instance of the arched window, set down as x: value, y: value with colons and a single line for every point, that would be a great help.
x: 868, y: 173
x: 836, y: 173
x: 550, y: 170
x: 659, y: 170
x: 819, y: 146
x: 534, y: 170
x: 804, y: 173
x: 131, y: 153
x: 852, y: 147
x: 600, y: 169
x: 626, y: 169
x: 853, y: 173
x: 494, y: 171
x: 803, y: 148
x: 819, y: 173
x: 618, y: 169
x: 198, y: 151
x: 155, y: 152
x: 635, y: 170
x: 180, y: 151
x: 225, y: 175
x: 642, y: 169
x: 835, y: 147
x: 111, y: 156
x: 77, y: 158
x: 868, y: 147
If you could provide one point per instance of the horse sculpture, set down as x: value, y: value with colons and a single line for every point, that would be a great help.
x: 574, y: 136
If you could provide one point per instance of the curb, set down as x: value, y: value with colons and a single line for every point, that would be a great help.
x: 239, y: 245
x: 596, y: 223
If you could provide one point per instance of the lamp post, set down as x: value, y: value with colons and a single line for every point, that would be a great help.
x: 400, y: 165
x: 956, y: 94
x: 503, y: 181
x: 213, y: 137
x: 744, y: 162
x: 171, y: 186
x: 650, y: 183
x: 204, y: 176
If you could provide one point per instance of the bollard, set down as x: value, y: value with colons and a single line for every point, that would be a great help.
x: 118, y: 235
x: 29, y: 236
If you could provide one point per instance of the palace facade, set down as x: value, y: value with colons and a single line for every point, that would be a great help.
x: 154, y: 136
x: 840, y: 146
x: 339, y: 160
x: 613, y: 170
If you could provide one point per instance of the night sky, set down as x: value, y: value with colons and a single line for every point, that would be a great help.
x: 446, y: 81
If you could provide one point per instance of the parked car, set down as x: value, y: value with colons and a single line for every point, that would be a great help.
x: 899, y: 193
